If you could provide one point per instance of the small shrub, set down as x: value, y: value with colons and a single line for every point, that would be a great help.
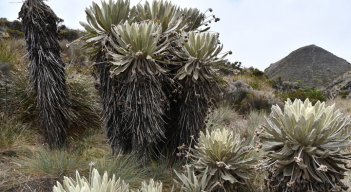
x: 222, y: 116
x: 68, y: 34
x: 313, y: 95
x: 84, y: 108
x: 255, y: 121
x: 303, y: 144
x: 255, y: 85
x: 15, y: 33
x: 344, y: 94
x: 257, y: 100
x: 228, y: 68
x: 261, y: 83
x: 4, y: 22
x: 256, y: 72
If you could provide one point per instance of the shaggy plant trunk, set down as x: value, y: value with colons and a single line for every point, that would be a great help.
x: 120, y: 141
x: 46, y: 70
x: 189, y: 107
x: 102, y: 67
x: 140, y: 121
x: 118, y: 135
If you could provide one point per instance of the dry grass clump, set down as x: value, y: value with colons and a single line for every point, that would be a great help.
x: 39, y: 168
x: 12, y: 53
x: 53, y: 163
x: 343, y: 104
x: 260, y: 83
x: 11, y: 176
x: 245, y: 125
x: 73, y: 53
x: 126, y: 167
x: 16, y: 99
x: 244, y: 98
x: 13, y: 134
x: 223, y: 116
x: 257, y: 100
x: 85, y: 106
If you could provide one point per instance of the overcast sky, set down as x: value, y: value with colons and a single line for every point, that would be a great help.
x: 259, y: 32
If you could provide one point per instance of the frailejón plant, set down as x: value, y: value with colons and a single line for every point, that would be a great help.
x: 156, y: 89
x: 190, y: 182
x: 305, y: 146
x: 198, y: 53
x: 96, y: 183
x: 46, y: 70
x: 228, y: 159
x: 151, y: 186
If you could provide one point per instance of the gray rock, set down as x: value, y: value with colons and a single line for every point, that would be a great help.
x: 286, y: 87
x: 310, y: 66
x: 236, y: 91
x: 244, y: 98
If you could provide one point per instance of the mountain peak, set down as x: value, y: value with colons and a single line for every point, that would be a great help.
x: 310, y: 65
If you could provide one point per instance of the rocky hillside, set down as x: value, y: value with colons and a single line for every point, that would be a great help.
x: 311, y: 66
x: 340, y: 86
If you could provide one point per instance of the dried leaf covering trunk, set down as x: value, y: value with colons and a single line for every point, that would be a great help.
x: 46, y: 70
x: 140, y: 124
x: 188, y: 112
x: 112, y: 112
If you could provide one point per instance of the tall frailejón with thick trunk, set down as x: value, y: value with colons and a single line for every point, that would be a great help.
x: 155, y: 62
x: 98, y: 31
x: 46, y: 70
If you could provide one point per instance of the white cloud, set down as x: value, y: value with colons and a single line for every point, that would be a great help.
x: 259, y: 32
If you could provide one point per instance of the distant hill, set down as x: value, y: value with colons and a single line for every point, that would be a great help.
x: 311, y: 66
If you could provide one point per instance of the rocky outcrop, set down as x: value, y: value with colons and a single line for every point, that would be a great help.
x: 285, y: 86
x: 236, y: 91
x: 340, y: 86
x: 244, y: 98
x: 310, y: 66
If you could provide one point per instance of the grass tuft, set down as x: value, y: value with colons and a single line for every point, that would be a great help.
x: 53, y: 163
x: 13, y: 134
x: 127, y: 167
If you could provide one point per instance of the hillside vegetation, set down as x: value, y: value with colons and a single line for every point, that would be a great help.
x: 226, y: 128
